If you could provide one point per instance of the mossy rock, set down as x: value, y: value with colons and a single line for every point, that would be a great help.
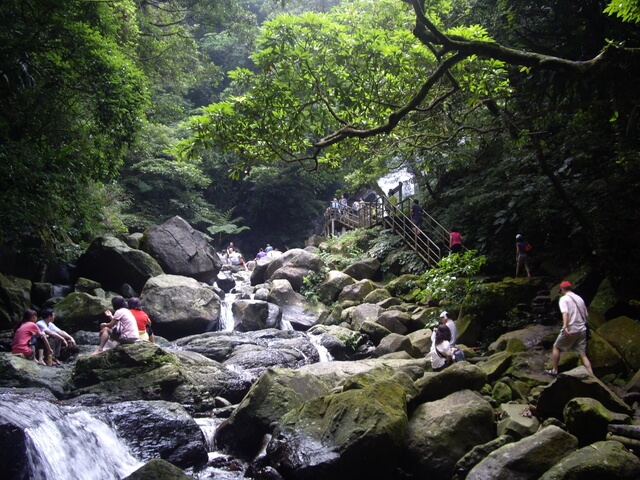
x: 494, y: 300
x: 403, y: 284
x: 588, y: 420
x: 623, y: 333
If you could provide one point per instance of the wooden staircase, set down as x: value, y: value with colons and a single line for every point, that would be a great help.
x: 430, y: 244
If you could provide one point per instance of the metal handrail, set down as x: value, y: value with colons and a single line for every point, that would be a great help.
x: 383, y: 212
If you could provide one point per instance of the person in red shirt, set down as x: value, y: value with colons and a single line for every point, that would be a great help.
x: 26, y: 335
x: 455, y: 241
x: 142, y: 319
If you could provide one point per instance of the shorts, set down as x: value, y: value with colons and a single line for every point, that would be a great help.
x: 576, y: 342
x: 416, y: 221
x: 523, y: 259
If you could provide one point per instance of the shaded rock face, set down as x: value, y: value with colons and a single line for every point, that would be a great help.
x: 158, y: 469
x: 15, y: 297
x: 112, y: 262
x: 368, y: 268
x: 182, y: 250
x: 180, y: 306
x: 333, y: 284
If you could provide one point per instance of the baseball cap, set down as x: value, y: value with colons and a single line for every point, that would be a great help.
x: 565, y: 284
x: 444, y: 314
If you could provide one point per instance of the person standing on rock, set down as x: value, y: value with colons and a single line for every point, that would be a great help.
x: 573, y: 336
x: 522, y: 255
x: 122, y: 327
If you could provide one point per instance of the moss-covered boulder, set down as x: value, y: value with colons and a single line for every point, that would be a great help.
x: 528, y: 458
x: 459, y: 376
x: 577, y: 383
x: 623, y: 333
x: 516, y: 421
x: 357, y: 433
x: 15, y: 298
x: 490, y: 301
x: 604, y: 357
x: 588, y: 419
x: 365, y: 268
x: 403, y: 284
x: 18, y: 372
x: 81, y: 311
x: 112, y: 262
x: 357, y: 291
x: 377, y: 296
x: 143, y: 370
x: 496, y: 365
x: 333, y: 284
x: 158, y: 469
x: 608, y: 459
x: 469, y: 329
x: 441, y: 432
x: 276, y: 392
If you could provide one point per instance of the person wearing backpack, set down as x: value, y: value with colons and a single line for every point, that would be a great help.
x: 523, y: 249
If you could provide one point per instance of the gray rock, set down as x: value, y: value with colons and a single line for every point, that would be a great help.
x: 527, y: 459
x: 513, y: 424
x: 440, y: 433
x: 356, y: 292
x: 158, y: 469
x: 180, y: 306
x: 182, y: 250
x: 588, y: 419
x: 369, y: 268
x: 608, y: 459
x: 296, y: 309
x: 333, y: 284
x: 112, y: 262
x: 475, y: 456
x: 81, y: 311
x: 251, y: 315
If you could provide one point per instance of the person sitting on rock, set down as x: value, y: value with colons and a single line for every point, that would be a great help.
x: 236, y: 259
x: 441, y: 351
x: 27, y: 338
x: 142, y: 320
x: 58, y: 338
x: 122, y: 327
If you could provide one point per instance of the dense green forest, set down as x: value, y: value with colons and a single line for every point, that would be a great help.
x: 246, y: 117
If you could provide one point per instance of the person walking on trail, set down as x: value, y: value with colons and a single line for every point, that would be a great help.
x: 416, y: 216
x: 573, y: 336
x: 522, y: 255
x: 455, y: 241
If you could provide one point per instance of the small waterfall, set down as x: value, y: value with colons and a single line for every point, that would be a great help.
x: 285, y: 324
x: 65, y: 443
x: 226, y: 314
x: 323, y: 353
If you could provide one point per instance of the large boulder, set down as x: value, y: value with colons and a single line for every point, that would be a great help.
x: 588, y: 420
x: 255, y: 351
x: 276, y: 392
x: 293, y: 265
x: 357, y: 291
x: 158, y: 429
x: 624, y: 334
x: 296, y: 309
x: 366, y: 312
x: 158, y: 469
x: 180, y: 306
x: 81, y: 311
x: 251, y: 315
x: 368, y: 268
x: 577, y: 383
x: 459, y: 376
x: 442, y: 432
x: 18, y: 372
x: 514, y: 424
x: 143, y: 370
x: 15, y: 298
x: 112, y: 262
x: 182, y: 250
x: 528, y: 458
x: 607, y: 459
x: 333, y: 284
x: 357, y: 433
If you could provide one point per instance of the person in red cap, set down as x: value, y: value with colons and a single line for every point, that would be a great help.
x: 573, y: 336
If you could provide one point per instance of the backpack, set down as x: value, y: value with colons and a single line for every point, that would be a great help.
x: 528, y: 248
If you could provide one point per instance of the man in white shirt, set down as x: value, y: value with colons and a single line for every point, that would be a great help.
x: 573, y: 336
x: 57, y: 338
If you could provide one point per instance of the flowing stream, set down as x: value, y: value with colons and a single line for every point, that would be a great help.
x: 66, y: 443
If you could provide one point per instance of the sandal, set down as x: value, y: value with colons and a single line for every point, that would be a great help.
x: 551, y: 372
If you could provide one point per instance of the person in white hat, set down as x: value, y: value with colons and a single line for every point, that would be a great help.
x: 445, y: 320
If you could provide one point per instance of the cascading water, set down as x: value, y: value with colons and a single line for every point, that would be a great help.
x: 226, y: 314
x: 66, y: 443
